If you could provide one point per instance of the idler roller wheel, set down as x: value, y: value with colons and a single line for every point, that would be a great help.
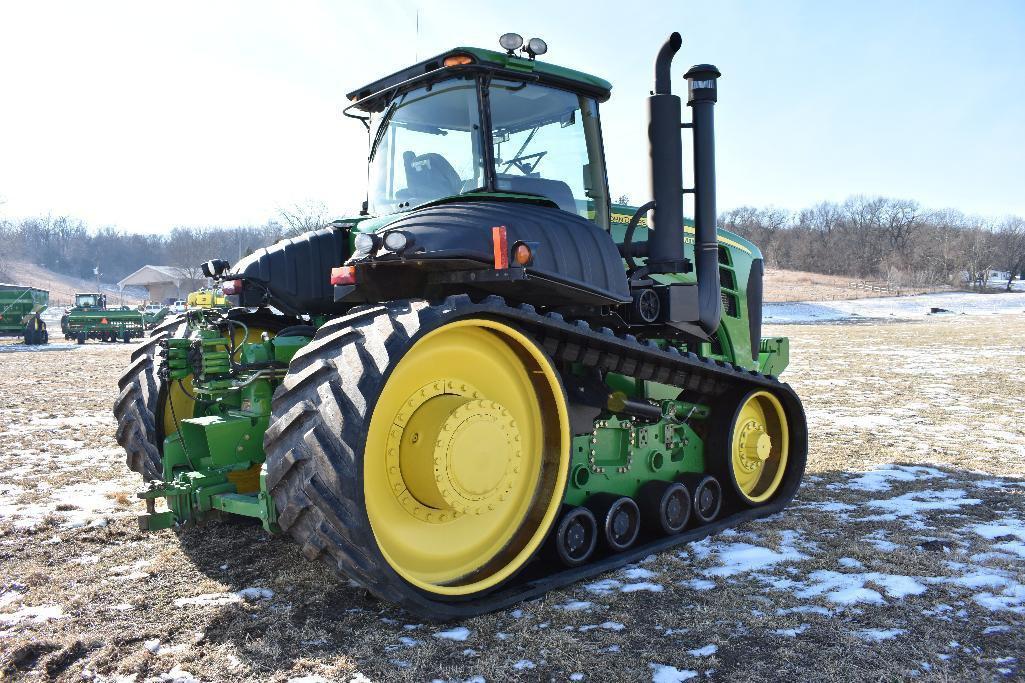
x: 665, y: 506
x: 705, y: 494
x: 576, y: 536
x: 618, y: 517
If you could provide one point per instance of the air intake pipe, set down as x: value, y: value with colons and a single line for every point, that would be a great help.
x: 701, y: 86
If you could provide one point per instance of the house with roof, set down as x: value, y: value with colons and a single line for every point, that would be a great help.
x: 164, y: 284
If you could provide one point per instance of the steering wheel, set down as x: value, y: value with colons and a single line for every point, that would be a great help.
x: 521, y: 162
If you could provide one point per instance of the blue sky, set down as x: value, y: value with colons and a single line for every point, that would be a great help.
x: 147, y: 115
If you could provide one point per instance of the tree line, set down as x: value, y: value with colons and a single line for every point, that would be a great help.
x: 67, y: 245
x: 895, y: 240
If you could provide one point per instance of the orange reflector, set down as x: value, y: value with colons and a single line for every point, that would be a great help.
x: 501, y: 247
x: 103, y: 321
x: 344, y: 275
x: 521, y: 254
x: 458, y: 60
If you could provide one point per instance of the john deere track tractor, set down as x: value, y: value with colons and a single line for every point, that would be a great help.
x: 492, y: 381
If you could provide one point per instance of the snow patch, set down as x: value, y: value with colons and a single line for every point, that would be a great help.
x: 705, y: 651
x: 32, y: 615
x: 459, y: 633
x: 876, y: 635
x: 663, y: 673
x: 218, y: 599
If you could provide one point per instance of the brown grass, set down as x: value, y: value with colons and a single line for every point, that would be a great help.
x: 796, y: 285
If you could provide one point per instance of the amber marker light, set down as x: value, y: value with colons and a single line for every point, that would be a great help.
x: 522, y: 254
x: 458, y: 60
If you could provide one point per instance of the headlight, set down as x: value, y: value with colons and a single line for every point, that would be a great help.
x: 396, y: 241
x: 364, y: 244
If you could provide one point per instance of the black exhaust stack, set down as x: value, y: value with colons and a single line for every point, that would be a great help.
x: 701, y: 86
x: 665, y: 241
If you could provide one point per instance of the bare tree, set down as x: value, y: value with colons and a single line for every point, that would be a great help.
x: 303, y: 217
x: 1010, y: 252
x: 187, y: 250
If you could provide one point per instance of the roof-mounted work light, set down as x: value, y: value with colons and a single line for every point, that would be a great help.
x: 535, y: 47
x: 511, y: 42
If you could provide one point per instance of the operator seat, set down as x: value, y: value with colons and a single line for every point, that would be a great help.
x: 429, y: 176
x: 555, y: 190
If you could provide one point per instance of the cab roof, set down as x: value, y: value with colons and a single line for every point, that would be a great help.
x: 372, y: 96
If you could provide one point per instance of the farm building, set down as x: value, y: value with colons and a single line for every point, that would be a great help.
x: 164, y: 284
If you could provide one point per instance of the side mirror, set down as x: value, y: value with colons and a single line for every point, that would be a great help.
x: 215, y: 268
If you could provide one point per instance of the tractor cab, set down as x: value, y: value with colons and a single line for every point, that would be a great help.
x: 90, y: 300
x: 475, y: 123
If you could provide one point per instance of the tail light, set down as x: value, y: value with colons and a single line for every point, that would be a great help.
x: 232, y: 287
x: 343, y: 275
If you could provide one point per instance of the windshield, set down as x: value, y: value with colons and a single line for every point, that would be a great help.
x: 428, y: 146
x: 84, y: 300
x: 548, y: 142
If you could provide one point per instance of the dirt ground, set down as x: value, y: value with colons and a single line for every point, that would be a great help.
x: 903, y: 555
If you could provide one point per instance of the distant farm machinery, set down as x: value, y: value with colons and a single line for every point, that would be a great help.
x: 21, y: 311
x: 90, y: 318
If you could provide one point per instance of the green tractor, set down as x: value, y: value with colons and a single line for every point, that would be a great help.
x: 91, y: 318
x: 21, y: 310
x: 492, y: 381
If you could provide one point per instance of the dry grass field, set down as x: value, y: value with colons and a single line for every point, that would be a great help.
x: 796, y: 285
x: 902, y: 556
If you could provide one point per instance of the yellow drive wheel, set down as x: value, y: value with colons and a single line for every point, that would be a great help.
x: 759, y: 446
x: 466, y: 457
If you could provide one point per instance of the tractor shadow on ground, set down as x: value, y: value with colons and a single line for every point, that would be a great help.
x: 316, y: 617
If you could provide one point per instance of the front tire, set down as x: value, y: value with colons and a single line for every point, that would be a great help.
x: 421, y: 453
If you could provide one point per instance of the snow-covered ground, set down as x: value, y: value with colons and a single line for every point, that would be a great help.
x: 896, y: 308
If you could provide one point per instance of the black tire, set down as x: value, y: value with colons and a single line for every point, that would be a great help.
x: 619, y: 520
x: 80, y: 338
x: 135, y: 409
x: 705, y: 494
x: 665, y: 507
x: 126, y: 337
x: 575, y: 536
x: 314, y: 445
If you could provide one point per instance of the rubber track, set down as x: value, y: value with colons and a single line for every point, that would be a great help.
x: 135, y: 407
x: 321, y: 413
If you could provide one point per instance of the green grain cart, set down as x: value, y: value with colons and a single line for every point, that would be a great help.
x: 21, y: 309
x: 91, y: 318
x: 492, y: 381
